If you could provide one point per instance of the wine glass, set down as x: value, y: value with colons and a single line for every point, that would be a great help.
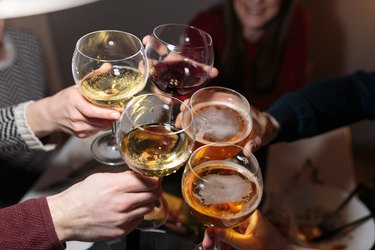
x: 222, y: 189
x: 180, y: 58
x: 109, y: 67
x: 153, y: 143
x: 221, y: 115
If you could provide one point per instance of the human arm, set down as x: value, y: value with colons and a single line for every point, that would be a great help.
x: 68, y: 111
x: 24, y: 152
x: 324, y: 106
x: 103, y: 206
x: 316, y: 108
x: 22, y: 126
x: 28, y: 225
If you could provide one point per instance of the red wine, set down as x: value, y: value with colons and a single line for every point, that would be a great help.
x: 179, y: 78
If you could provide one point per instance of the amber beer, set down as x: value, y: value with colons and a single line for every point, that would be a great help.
x: 221, y: 193
x: 222, y: 122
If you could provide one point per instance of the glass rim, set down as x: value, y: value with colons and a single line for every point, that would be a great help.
x: 174, y: 46
x: 243, y: 98
x: 248, y: 155
x: 141, y: 47
x: 180, y: 130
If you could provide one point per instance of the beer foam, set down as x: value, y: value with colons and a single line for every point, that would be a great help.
x: 224, y: 188
x: 219, y: 124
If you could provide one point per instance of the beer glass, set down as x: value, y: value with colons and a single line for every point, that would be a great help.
x: 222, y: 189
x: 221, y: 115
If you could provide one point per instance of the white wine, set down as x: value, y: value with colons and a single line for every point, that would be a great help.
x: 221, y: 122
x: 156, y: 149
x: 113, y: 88
x: 220, y: 193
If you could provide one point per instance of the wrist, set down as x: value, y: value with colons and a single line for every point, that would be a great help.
x: 274, y: 123
x: 38, y: 118
x: 60, y: 217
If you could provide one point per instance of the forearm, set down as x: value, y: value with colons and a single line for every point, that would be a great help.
x: 39, y: 119
x: 31, y: 125
x: 28, y: 224
x: 60, y: 217
x: 325, y: 105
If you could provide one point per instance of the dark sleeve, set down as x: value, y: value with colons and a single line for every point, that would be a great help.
x: 28, y: 225
x: 325, y: 105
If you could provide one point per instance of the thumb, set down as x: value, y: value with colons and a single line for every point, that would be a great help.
x: 253, y: 144
x: 146, y: 39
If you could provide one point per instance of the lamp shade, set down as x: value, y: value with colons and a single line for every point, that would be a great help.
x: 21, y: 8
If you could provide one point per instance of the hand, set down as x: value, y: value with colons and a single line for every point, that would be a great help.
x: 265, y: 128
x: 103, y: 206
x: 258, y: 233
x: 68, y: 111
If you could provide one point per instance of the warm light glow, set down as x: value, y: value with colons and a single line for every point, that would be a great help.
x: 20, y: 8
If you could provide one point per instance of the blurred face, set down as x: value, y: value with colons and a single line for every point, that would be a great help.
x: 255, y: 14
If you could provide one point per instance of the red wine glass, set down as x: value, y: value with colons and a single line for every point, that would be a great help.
x: 180, y: 57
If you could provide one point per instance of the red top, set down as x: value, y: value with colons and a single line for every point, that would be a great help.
x: 28, y: 225
x: 293, y: 74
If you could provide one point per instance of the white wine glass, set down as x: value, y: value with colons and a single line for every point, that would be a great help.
x: 180, y: 57
x: 222, y: 189
x: 109, y: 67
x: 152, y: 142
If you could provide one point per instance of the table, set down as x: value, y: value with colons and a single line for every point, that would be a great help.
x: 324, y: 160
x: 330, y: 154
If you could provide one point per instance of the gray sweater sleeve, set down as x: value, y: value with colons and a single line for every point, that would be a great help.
x: 16, y: 135
x: 25, y: 131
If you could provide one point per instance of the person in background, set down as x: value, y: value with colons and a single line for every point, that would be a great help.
x: 312, y: 110
x: 261, y: 46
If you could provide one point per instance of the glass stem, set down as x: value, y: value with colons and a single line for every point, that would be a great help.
x: 114, y: 127
x: 112, y: 142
